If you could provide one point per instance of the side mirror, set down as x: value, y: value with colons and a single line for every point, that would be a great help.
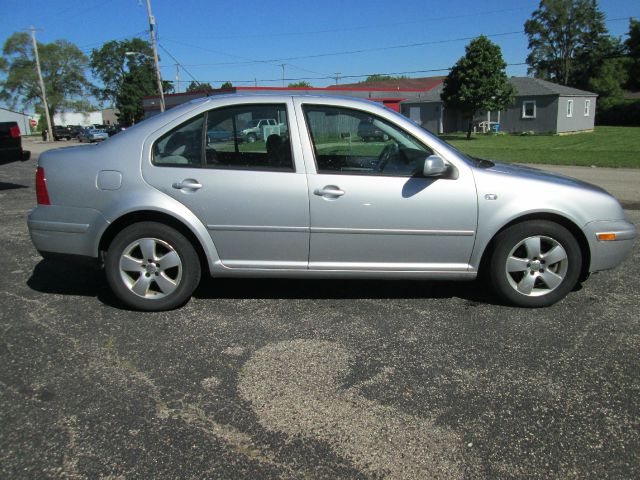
x: 434, y: 166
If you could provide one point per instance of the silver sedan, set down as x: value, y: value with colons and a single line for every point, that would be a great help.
x: 160, y: 204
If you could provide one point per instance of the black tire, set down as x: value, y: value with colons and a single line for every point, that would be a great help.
x: 510, y: 244
x: 251, y: 138
x: 184, y: 277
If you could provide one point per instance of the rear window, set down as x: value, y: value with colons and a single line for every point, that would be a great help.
x: 180, y: 147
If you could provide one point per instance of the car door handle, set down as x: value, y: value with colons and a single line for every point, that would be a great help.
x: 329, y: 191
x: 187, y: 184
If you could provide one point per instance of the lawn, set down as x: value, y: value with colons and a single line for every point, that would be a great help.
x: 605, y: 147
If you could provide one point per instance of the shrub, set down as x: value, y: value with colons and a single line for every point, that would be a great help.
x: 626, y: 113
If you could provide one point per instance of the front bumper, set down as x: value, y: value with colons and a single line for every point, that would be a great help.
x: 66, y: 230
x: 606, y: 254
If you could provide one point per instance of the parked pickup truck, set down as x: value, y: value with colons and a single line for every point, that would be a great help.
x: 261, y: 128
x: 11, y: 143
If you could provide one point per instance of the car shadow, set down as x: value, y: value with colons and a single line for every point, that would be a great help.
x: 333, y: 289
x: 62, y: 278
x: 11, y: 186
x: 58, y: 277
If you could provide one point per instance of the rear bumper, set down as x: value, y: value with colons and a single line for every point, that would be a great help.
x: 66, y: 230
x: 610, y: 253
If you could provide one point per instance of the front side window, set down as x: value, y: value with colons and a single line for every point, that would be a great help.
x: 529, y: 109
x: 569, y: 108
x: 181, y: 147
x: 353, y: 142
x: 254, y: 137
x: 587, y: 107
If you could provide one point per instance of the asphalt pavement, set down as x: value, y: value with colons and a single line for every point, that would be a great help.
x: 310, y: 379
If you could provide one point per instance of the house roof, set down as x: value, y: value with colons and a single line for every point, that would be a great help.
x: 530, y: 87
x: 525, y: 87
x: 19, y: 113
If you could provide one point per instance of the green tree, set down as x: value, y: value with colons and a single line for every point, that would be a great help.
x: 167, y: 87
x: 379, y: 77
x: 632, y: 45
x: 612, y: 75
x: 478, y: 81
x: 199, y: 87
x: 301, y: 84
x: 226, y: 85
x: 127, y: 72
x: 568, y: 41
x: 63, y: 68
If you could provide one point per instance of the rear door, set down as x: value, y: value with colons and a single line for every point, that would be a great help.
x: 252, y: 197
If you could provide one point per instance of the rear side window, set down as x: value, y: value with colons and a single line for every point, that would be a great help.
x: 248, y: 137
x: 181, y: 147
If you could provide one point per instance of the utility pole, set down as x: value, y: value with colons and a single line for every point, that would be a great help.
x: 42, y: 90
x: 337, y: 77
x: 177, y: 78
x: 152, y: 23
x: 282, y: 65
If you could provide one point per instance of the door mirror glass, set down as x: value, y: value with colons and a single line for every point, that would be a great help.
x: 434, y: 166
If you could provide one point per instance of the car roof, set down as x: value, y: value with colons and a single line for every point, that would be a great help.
x: 309, y: 96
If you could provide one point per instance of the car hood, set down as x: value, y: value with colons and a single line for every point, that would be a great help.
x: 531, y: 173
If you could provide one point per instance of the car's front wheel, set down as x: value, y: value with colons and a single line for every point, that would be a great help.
x: 535, y: 263
x: 151, y: 266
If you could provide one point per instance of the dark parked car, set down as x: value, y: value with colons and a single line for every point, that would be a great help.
x: 60, y: 132
x: 11, y: 143
x: 75, y: 130
x: 113, y: 129
x: 368, y: 131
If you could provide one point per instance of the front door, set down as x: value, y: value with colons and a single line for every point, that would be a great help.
x: 370, y: 210
x: 250, y: 195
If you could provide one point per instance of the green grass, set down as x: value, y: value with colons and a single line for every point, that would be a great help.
x: 605, y: 147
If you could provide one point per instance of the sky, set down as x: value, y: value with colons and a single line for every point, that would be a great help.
x: 247, y: 42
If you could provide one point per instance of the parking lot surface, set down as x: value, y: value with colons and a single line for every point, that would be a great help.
x: 310, y: 379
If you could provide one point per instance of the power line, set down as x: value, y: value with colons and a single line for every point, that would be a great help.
x: 247, y: 61
x: 346, y: 52
x: 352, y: 52
x: 178, y: 62
x: 333, y: 77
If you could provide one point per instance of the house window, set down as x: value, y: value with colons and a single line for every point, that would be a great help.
x: 569, y: 108
x: 587, y: 107
x: 529, y: 109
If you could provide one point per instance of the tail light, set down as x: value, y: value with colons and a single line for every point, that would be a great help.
x: 41, y: 188
x: 14, y: 131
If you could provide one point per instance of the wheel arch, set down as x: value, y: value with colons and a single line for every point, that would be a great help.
x: 137, y: 216
x: 575, y: 230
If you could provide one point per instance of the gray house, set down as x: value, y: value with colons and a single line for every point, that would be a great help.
x: 539, y: 107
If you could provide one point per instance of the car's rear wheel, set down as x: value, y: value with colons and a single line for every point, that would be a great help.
x: 152, y: 267
x: 535, y: 263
